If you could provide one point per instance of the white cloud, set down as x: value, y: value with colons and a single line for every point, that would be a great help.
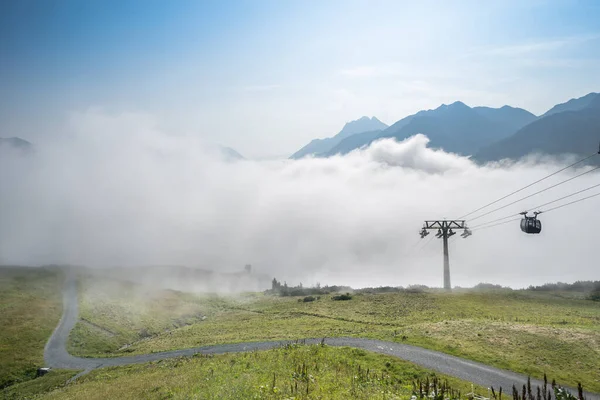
x: 117, y: 191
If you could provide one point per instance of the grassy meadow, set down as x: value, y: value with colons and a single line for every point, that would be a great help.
x: 524, y: 331
x: 116, y: 313
x: 291, y: 372
x: 30, y: 308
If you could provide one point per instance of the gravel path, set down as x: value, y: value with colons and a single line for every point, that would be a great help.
x: 56, y: 355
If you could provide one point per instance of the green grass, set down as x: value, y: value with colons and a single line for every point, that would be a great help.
x: 34, y: 388
x: 294, y: 372
x: 527, y: 332
x: 30, y: 308
x: 114, y: 314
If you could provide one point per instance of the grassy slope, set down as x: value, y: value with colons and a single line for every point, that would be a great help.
x: 329, y: 373
x: 34, y: 388
x: 115, y: 313
x: 526, y: 332
x: 30, y: 308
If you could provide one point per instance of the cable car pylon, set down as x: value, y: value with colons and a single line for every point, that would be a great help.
x: 445, y: 229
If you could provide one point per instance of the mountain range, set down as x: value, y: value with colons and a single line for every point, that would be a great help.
x: 484, y: 133
x: 574, y: 130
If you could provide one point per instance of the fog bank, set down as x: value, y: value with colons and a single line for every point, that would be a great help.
x: 113, y: 190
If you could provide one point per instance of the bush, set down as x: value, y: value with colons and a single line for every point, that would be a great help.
x: 342, y: 297
x: 308, y: 299
x: 594, y: 295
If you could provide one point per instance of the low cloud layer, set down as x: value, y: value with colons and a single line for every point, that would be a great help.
x: 113, y: 190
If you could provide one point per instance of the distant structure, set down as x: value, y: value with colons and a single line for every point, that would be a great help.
x: 445, y: 230
x: 248, y: 268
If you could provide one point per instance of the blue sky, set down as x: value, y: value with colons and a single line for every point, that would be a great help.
x: 265, y: 77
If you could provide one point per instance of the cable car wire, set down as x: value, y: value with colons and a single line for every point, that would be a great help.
x: 538, y: 192
x: 544, y: 212
x: 572, y: 202
x: 500, y: 223
x: 531, y: 184
x: 412, y: 248
x: 539, y: 206
x: 427, y: 242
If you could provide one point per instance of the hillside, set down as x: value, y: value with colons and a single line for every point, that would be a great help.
x: 320, y: 146
x: 15, y: 143
x: 352, y: 143
x: 512, y: 118
x: 457, y: 127
x: 566, y: 132
x: 572, y: 105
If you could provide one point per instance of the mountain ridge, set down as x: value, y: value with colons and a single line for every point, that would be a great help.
x: 565, y: 132
x: 444, y: 124
x: 321, y: 146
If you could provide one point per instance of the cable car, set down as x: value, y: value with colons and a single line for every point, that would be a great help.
x: 531, y: 225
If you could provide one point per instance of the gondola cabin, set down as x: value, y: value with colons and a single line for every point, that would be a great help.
x: 531, y: 224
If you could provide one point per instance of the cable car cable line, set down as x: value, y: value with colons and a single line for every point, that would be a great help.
x: 501, y: 223
x: 537, y: 207
x: 538, y: 192
x: 531, y: 184
x: 572, y: 202
x: 544, y: 212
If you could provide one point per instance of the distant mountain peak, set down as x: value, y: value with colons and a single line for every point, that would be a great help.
x: 230, y: 154
x: 321, y: 146
x: 16, y: 143
x: 363, y: 124
x: 457, y: 105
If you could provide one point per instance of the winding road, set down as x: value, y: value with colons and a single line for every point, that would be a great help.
x: 56, y: 355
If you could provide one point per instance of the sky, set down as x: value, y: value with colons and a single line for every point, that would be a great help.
x: 266, y: 77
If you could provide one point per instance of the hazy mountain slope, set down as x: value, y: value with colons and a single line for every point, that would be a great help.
x: 230, y: 154
x: 319, y: 146
x: 352, y: 143
x: 572, y: 105
x: 512, y: 118
x: 16, y: 144
x: 575, y: 132
x: 455, y: 128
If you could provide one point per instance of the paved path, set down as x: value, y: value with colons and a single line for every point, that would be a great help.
x: 56, y: 355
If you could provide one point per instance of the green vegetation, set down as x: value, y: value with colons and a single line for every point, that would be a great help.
x: 30, y: 308
x: 291, y: 372
x: 114, y: 314
x: 53, y: 380
x: 342, y: 297
x: 532, y: 332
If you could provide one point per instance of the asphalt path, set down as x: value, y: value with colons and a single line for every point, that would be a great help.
x: 56, y: 355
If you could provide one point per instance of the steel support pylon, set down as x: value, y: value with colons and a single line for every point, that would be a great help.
x: 445, y: 230
x: 447, y: 285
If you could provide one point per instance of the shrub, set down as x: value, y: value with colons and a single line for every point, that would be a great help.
x: 594, y: 295
x: 308, y: 299
x: 342, y: 297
